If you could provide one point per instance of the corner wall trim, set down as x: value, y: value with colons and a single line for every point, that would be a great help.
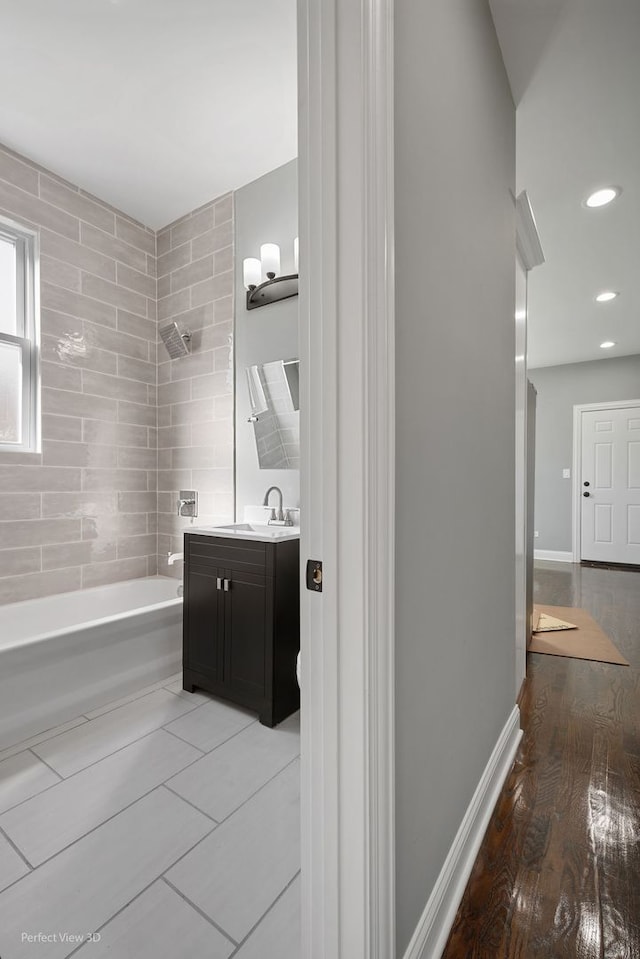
x: 432, y: 931
x: 554, y: 555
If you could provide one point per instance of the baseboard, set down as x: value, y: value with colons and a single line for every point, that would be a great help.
x: 553, y: 555
x: 432, y: 931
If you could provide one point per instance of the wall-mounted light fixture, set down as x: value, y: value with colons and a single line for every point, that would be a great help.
x: 261, y: 280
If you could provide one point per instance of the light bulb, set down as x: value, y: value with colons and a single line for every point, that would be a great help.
x: 251, y: 272
x: 270, y: 257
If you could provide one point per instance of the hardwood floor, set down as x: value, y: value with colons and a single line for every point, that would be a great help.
x: 558, y: 874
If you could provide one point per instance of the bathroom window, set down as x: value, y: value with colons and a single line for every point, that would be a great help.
x: 19, y: 339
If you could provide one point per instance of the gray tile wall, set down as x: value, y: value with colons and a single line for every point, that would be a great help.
x: 195, y: 393
x: 84, y: 511
x: 98, y: 505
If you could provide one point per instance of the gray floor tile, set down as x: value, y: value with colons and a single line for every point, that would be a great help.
x: 11, y: 865
x: 211, y: 724
x: 87, y: 884
x: 40, y: 738
x: 159, y: 924
x: 235, y: 874
x: 80, y: 747
x: 22, y: 776
x: 44, y: 825
x: 222, y: 780
x: 198, y: 697
x: 279, y: 934
x: 108, y: 707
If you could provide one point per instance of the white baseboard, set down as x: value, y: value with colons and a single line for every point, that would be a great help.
x: 432, y: 931
x: 555, y: 555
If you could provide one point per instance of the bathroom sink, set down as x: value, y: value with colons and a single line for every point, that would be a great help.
x: 256, y: 531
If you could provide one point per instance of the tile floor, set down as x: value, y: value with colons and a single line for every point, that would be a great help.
x: 165, y: 824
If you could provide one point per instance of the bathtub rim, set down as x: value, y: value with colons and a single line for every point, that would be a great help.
x: 128, y: 614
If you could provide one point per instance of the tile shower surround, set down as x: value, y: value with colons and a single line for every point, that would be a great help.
x: 195, y: 393
x: 84, y: 511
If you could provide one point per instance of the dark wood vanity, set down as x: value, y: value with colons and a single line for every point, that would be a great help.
x: 241, y: 631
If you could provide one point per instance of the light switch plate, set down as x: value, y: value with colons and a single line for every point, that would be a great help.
x: 566, y: 474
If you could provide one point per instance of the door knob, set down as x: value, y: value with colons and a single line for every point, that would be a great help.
x: 586, y: 494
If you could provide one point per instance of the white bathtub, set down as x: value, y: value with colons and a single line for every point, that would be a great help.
x: 63, y: 655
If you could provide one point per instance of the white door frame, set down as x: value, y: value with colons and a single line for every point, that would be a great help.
x: 347, y: 476
x: 576, y: 486
x: 529, y: 254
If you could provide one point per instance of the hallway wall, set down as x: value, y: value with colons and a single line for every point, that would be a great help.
x: 559, y: 389
x: 455, y: 257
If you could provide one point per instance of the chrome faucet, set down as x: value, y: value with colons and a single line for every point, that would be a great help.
x: 281, y: 518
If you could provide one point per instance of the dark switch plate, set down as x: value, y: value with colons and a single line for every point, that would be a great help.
x: 314, y: 575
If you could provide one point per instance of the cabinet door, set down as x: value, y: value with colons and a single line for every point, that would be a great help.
x: 205, y: 622
x: 248, y: 633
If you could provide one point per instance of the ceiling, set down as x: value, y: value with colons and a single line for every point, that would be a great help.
x: 156, y: 106
x: 574, y: 68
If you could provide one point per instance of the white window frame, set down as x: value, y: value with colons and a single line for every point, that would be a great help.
x: 27, y: 336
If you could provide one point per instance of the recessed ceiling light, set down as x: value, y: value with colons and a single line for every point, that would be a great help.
x: 602, y: 197
x: 605, y: 296
x: 607, y: 345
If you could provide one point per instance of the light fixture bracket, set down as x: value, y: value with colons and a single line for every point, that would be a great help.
x: 272, y: 290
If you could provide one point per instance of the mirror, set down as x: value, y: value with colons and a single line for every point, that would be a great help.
x: 274, y: 400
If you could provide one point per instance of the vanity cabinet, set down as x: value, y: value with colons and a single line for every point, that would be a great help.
x: 241, y: 620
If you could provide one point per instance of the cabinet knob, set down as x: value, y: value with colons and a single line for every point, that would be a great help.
x: 227, y: 585
x: 586, y: 494
x: 219, y: 582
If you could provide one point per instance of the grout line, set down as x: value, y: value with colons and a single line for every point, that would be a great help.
x: 23, y: 742
x: 46, y: 789
x: 207, y: 752
x: 19, y: 852
x: 114, y: 704
x: 119, y: 749
x: 199, y: 911
x: 109, y: 819
x: 78, y: 771
x: 264, y: 915
x: 258, y: 790
x: 185, y: 741
x: 188, y: 801
x: 137, y: 896
x: 45, y: 763
x: 184, y: 854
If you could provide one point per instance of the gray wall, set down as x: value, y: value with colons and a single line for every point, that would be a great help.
x: 455, y: 267
x: 266, y: 211
x: 559, y: 388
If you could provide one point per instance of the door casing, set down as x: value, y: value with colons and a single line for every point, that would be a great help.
x: 346, y: 195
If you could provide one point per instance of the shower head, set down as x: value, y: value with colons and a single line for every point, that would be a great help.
x: 177, y: 343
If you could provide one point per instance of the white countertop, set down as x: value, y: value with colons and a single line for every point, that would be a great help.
x: 253, y: 531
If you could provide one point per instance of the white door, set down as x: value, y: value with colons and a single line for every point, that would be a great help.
x: 610, y: 485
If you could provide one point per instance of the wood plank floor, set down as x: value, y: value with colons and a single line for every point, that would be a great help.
x: 558, y: 874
